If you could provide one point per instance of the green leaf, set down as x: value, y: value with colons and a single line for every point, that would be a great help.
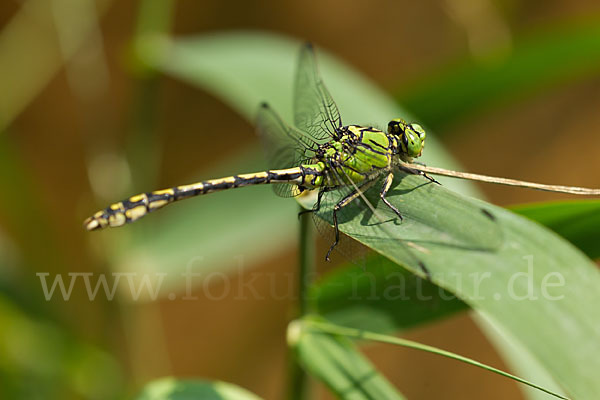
x: 174, y: 389
x: 336, y: 362
x: 558, y: 54
x: 576, y: 221
x: 384, y: 299
x: 381, y: 297
x: 513, y: 285
x: 432, y: 216
x: 510, y: 285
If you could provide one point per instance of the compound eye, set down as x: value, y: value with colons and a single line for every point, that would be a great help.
x: 418, y: 129
x: 414, y: 144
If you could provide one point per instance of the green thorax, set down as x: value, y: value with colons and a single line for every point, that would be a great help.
x: 358, y: 154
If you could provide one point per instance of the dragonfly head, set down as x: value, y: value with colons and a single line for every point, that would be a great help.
x: 411, y: 137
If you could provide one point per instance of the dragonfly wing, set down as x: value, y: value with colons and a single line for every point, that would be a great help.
x: 285, y: 190
x: 284, y: 146
x: 315, y: 112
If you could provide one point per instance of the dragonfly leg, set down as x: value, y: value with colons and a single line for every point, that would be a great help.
x: 430, y: 178
x: 386, y: 186
x: 342, y: 203
x: 417, y: 172
x: 337, y: 234
x: 317, y: 206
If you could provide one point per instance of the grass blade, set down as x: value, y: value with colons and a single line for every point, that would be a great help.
x: 336, y: 362
x: 377, y: 337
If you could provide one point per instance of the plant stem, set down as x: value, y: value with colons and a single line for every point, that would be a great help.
x: 298, y: 387
x: 155, y: 17
x: 306, y: 260
x: 504, y: 181
x: 143, y: 154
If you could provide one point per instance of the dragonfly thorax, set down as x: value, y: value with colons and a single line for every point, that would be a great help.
x: 358, y: 154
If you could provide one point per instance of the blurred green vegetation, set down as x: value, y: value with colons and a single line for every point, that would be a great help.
x: 559, y: 54
x: 90, y: 113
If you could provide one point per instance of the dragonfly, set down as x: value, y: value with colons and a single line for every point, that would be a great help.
x: 318, y: 154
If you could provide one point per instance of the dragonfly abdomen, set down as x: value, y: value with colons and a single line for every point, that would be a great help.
x: 137, y: 206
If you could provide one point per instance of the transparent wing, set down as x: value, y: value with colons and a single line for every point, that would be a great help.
x: 284, y: 146
x: 315, y: 111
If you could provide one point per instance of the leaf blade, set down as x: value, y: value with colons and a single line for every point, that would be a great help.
x: 576, y: 221
x: 335, y: 361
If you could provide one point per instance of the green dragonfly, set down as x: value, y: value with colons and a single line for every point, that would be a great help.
x: 319, y: 154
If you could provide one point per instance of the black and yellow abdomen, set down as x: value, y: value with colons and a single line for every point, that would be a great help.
x: 359, y: 154
x: 135, y: 207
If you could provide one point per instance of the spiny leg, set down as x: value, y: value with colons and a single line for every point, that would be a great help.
x: 418, y: 172
x: 424, y: 174
x: 386, y: 186
x: 342, y: 203
x: 317, y: 206
x: 433, y: 180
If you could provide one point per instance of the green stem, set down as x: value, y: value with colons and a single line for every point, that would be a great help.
x: 306, y: 262
x: 298, y: 388
x: 324, y: 327
x: 154, y: 18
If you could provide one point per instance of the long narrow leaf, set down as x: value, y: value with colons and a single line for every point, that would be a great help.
x: 335, y: 361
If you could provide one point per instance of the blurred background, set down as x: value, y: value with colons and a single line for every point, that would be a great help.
x: 510, y: 88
